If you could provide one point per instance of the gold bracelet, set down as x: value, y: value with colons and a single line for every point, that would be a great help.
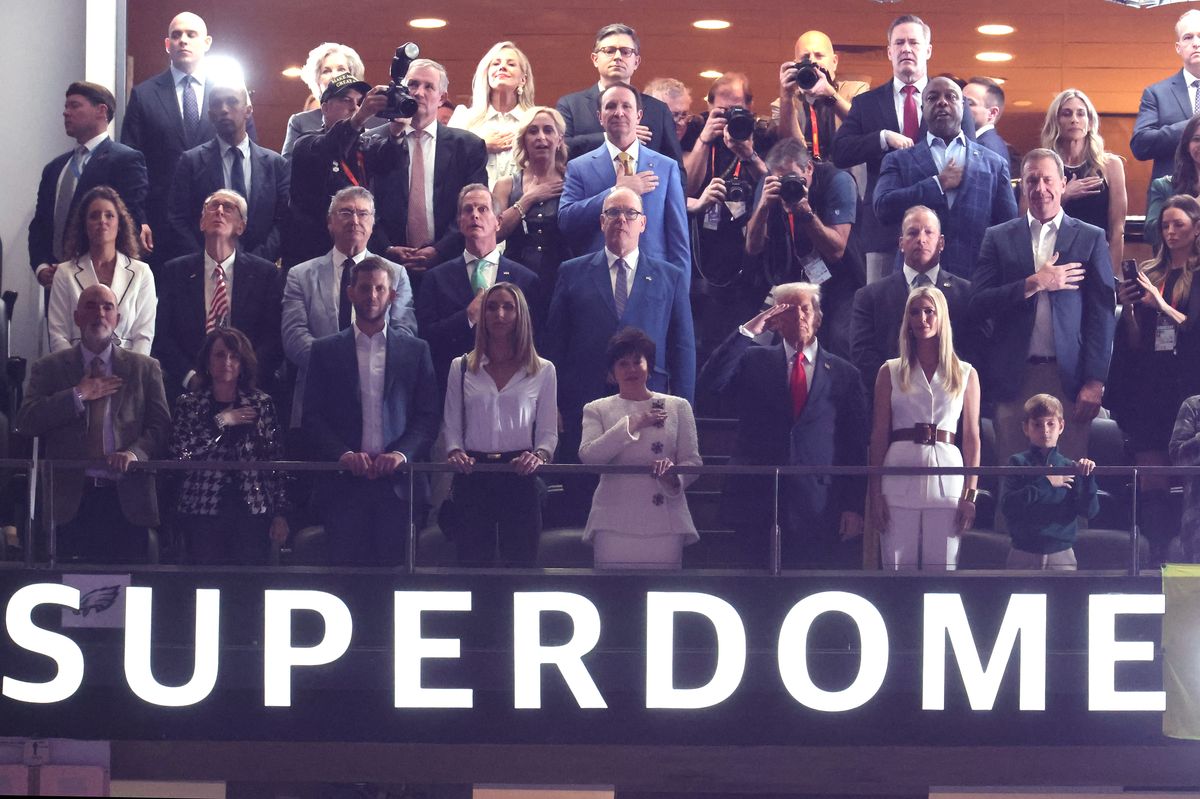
x: 970, y: 494
x: 520, y: 208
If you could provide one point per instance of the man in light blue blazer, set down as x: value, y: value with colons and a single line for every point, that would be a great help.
x: 623, y: 161
x: 316, y: 300
x: 595, y: 296
x: 966, y: 184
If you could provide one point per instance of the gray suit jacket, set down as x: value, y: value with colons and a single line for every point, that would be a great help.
x: 140, y: 418
x: 310, y: 312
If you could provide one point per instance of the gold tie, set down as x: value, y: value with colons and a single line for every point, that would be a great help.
x: 626, y: 163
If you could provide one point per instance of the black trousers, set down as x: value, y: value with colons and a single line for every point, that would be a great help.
x: 498, y: 506
x: 230, y: 537
x: 366, y: 524
x: 100, y: 533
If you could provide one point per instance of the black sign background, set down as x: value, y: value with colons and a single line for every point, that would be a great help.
x: 352, y: 699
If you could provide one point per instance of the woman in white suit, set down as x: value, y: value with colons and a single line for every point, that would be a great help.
x: 100, y: 247
x: 639, y: 521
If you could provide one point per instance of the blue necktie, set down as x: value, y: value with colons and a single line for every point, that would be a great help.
x: 191, y: 109
x: 621, y: 292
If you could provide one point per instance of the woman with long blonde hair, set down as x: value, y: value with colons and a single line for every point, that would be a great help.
x: 1095, y: 178
x: 919, y: 398
x: 501, y: 407
x: 501, y: 99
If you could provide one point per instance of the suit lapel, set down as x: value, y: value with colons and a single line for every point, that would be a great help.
x: 1179, y: 89
x: 442, y: 156
x: 165, y: 92
x: 194, y: 307
x: 258, y: 177
x: 244, y: 287
x: 96, y: 161
x: 639, y: 289
x: 122, y: 368
x: 122, y: 278
x: 820, y: 379
x: 603, y: 285
x: 1066, y: 238
x: 887, y: 106
x: 214, y: 170
x: 923, y: 155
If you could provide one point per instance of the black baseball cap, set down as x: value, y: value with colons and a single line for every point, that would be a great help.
x: 341, y: 83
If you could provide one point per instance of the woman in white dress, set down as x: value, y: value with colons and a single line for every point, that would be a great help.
x: 501, y: 102
x: 99, y: 247
x: 639, y: 521
x: 919, y: 398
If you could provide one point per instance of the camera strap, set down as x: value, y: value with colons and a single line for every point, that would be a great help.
x: 362, y: 169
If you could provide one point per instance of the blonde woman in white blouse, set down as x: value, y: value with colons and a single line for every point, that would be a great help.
x: 501, y: 407
x: 501, y: 102
x: 99, y: 248
x: 639, y: 521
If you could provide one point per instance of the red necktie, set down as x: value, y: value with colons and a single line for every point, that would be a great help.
x: 798, y: 385
x: 911, y: 126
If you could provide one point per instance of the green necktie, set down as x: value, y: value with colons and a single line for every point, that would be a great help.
x: 479, y: 279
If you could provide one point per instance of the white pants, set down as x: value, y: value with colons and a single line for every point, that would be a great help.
x: 1055, y: 561
x: 920, y: 538
x: 617, y: 551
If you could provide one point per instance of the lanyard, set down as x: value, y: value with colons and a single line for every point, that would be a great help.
x: 816, y: 134
x: 350, y: 175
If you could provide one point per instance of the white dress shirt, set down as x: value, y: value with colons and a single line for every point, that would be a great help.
x: 372, y: 367
x: 898, y: 101
x: 634, y: 151
x: 227, y: 162
x: 983, y: 129
x: 489, y: 271
x: 631, y: 261
x: 210, y: 280
x: 1045, y: 238
x: 910, y: 275
x: 942, y: 152
x: 89, y: 147
x: 198, y: 76
x: 429, y: 150
x: 521, y: 416
x: 810, y: 363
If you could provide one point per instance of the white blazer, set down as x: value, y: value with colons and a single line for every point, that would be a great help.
x: 137, y: 302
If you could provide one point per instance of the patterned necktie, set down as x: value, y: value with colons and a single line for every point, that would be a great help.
x: 479, y: 281
x: 911, y: 125
x: 799, y: 385
x: 218, y: 312
x: 418, y: 214
x: 621, y: 291
x: 66, y: 193
x: 95, y: 416
x: 344, y: 295
x: 237, y: 174
x: 626, y: 167
x: 1196, y: 104
x: 191, y: 109
x: 921, y: 280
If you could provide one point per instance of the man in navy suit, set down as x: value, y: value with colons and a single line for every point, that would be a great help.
x: 623, y: 161
x: 371, y: 404
x: 965, y: 183
x: 883, y: 119
x: 985, y: 102
x: 879, y: 307
x: 598, y: 294
x: 797, y: 405
x: 417, y: 169
x: 1167, y: 105
x: 96, y: 160
x: 616, y: 56
x: 449, y: 303
x: 168, y: 114
x: 220, y: 287
x: 1046, y: 282
x: 230, y: 161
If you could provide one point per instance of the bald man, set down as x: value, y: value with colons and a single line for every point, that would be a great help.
x: 826, y: 104
x: 98, y: 402
x: 168, y: 114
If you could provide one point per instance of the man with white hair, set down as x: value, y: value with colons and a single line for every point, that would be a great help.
x: 230, y: 160
x: 1167, y: 105
x: 796, y: 404
x: 167, y: 115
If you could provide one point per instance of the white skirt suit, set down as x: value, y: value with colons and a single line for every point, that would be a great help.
x: 637, y: 520
x: 922, y: 508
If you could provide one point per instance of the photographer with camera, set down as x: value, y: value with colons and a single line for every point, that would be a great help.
x: 800, y: 231
x: 727, y: 136
x: 418, y: 166
x: 812, y: 101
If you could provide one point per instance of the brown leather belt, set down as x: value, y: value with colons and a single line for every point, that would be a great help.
x: 926, y: 434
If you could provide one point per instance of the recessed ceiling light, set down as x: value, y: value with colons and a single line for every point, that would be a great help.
x: 711, y: 74
x: 291, y: 72
x: 427, y: 22
x: 993, y: 56
x: 711, y: 24
x: 1023, y: 103
x: 995, y: 30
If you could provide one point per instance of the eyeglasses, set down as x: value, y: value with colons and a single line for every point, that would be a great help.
x: 680, y: 116
x: 346, y: 214
x: 223, y: 205
x: 626, y: 52
x: 628, y: 214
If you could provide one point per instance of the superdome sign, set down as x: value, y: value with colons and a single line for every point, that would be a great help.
x: 539, y: 658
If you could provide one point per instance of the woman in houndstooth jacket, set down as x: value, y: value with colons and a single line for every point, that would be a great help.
x: 229, y: 516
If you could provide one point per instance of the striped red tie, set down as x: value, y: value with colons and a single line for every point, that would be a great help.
x: 218, y: 312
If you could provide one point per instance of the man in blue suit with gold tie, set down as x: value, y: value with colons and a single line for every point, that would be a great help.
x: 623, y: 161
x: 596, y: 295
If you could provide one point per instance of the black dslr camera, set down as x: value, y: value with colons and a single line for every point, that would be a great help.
x: 739, y: 121
x: 400, y: 102
x: 792, y: 189
x: 809, y: 72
